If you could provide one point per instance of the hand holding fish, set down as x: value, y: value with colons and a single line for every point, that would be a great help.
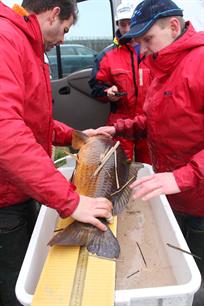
x: 90, y: 132
x: 108, y: 131
x: 154, y: 185
x: 89, y: 209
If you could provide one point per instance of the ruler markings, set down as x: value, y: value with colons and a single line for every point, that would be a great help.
x: 79, y: 278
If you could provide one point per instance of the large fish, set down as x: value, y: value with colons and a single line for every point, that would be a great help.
x: 100, y: 171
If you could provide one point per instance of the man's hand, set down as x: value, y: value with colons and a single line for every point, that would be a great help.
x: 108, y: 131
x: 89, y: 209
x: 90, y: 132
x: 154, y: 185
x: 111, y: 93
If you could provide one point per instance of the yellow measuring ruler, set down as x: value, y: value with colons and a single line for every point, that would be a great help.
x: 71, y: 277
x: 79, y: 279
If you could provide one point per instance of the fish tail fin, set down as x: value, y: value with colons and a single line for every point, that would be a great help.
x: 121, y: 197
x: 74, y: 234
x: 102, y: 244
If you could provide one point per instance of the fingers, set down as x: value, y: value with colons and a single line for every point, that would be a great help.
x: 102, y: 213
x: 145, y: 190
x: 107, y: 130
x: 102, y: 209
x: 97, y: 223
x: 104, y: 203
x: 142, y: 180
x: 142, y: 187
x: 89, y: 209
x: 90, y: 132
x: 111, y: 90
x: 152, y: 194
x: 111, y: 93
x: 104, y: 130
x: 155, y: 185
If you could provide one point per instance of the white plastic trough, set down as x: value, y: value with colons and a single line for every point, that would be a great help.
x: 183, y: 266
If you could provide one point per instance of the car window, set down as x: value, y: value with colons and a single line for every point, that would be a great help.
x: 85, y: 51
x: 68, y: 50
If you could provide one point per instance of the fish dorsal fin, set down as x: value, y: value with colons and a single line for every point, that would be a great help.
x: 121, y: 197
x: 78, y: 139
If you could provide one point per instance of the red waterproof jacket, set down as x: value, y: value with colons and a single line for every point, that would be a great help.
x: 174, y: 120
x: 27, y: 129
x: 118, y: 65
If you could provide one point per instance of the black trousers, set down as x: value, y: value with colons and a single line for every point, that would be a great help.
x: 16, y: 226
x: 193, y: 231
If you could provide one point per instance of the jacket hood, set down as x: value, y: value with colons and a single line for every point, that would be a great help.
x: 28, y: 25
x: 168, y: 58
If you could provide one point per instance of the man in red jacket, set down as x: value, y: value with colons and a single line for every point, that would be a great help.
x: 117, y: 78
x: 27, y: 132
x: 174, y: 114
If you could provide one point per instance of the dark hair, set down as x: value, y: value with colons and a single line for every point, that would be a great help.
x: 68, y: 7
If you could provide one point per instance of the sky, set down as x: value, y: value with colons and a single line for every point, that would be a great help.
x: 96, y: 21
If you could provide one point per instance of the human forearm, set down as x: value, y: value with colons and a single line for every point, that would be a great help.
x: 29, y: 169
x: 62, y: 134
x: 130, y: 128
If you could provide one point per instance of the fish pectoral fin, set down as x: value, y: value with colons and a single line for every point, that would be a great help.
x: 78, y: 139
x: 74, y: 234
x: 103, y: 244
x: 121, y: 198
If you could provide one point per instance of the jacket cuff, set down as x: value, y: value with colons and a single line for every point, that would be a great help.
x: 119, y: 127
x: 62, y: 134
x: 185, y: 177
x: 72, y: 204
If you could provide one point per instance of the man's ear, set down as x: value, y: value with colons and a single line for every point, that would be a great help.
x: 54, y: 12
x: 175, y: 27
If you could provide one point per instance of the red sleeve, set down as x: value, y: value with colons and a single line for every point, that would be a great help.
x: 130, y: 128
x: 188, y: 177
x: 101, y: 77
x: 62, y: 134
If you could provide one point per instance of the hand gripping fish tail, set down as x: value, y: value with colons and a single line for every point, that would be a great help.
x: 102, y: 244
x: 102, y: 170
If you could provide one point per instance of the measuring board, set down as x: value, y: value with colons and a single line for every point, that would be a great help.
x: 73, y: 277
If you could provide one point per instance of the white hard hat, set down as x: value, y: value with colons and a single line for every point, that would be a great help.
x: 124, y: 10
